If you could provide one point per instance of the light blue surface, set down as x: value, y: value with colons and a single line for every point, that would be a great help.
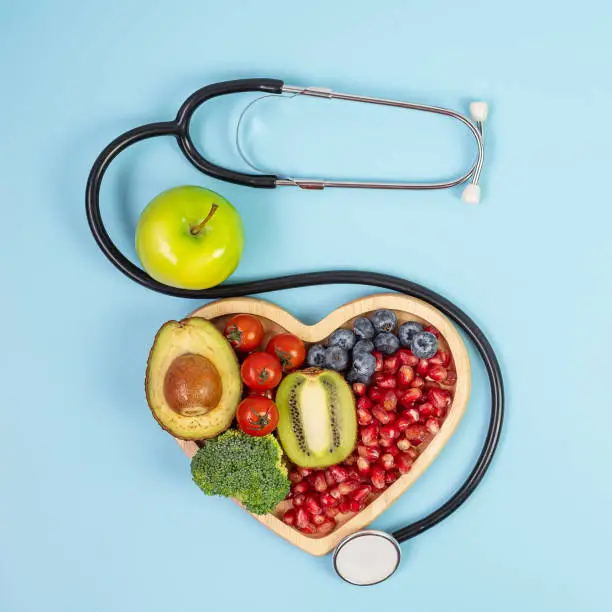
x: 97, y: 509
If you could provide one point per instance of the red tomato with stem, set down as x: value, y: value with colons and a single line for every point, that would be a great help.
x: 244, y: 332
x: 257, y: 416
x: 289, y: 349
x: 261, y: 371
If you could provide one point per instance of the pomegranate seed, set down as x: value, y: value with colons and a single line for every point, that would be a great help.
x: 369, y: 452
x: 413, y: 453
x: 392, y: 449
x: 426, y: 410
x: 391, y: 476
x: 389, y: 401
x: 335, y: 493
x: 385, y: 381
x: 417, y: 383
x: 308, y: 529
x: 379, y: 361
x: 381, y: 415
x: 295, y: 477
x: 364, y: 417
x: 290, y: 516
x: 299, y: 500
x: 423, y: 367
x: 365, y: 403
x: 405, y: 376
x: 451, y: 377
x: 363, y: 465
x: 347, y: 487
x: 391, y: 364
x: 403, y: 463
x: 375, y: 394
x: 433, y: 426
x: 312, y: 505
x: 359, y: 389
x: 412, y: 414
x: 440, y: 398
x: 385, y: 443
x: 403, y: 445
x: 409, y: 397
x: 339, y: 473
x: 416, y: 434
x: 332, y: 511
x: 318, y: 519
x: 300, y: 487
x: 327, y: 500
x: 327, y: 526
x: 432, y: 330
x: 387, y: 461
x: 403, y: 422
x: 355, y: 506
x: 343, y: 507
x: 378, y: 476
x: 369, y: 435
x: 329, y: 479
x: 320, y: 484
x: 302, y: 518
x: 440, y: 358
x: 389, y: 432
x: 354, y: 472
x: 305, y: 471
x: 439, y: 413
x: 359, y: 495
x: 350, y: 460
x: 407, y: 358
x: 438, y: 373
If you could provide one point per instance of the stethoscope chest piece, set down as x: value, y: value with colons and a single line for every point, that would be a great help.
x: 367, y: 557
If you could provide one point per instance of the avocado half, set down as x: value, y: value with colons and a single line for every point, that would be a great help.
x: 192, y: 383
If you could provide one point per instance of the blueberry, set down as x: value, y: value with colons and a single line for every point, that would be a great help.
x: 386, y: 343
x: 352, y: 376
x: 406, y: 332
x: 344, y: 338
x: 336, y: 358
x: 316, y: 356
x: 384, y: 320
x: 364, y: 364
x: 424, y: 345
x: 364, y: 330
x: 363, y: 346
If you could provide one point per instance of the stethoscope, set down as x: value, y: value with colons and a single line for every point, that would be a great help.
x: 369, y: 556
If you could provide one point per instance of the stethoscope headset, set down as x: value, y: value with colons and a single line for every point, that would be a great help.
x: 369, y: 556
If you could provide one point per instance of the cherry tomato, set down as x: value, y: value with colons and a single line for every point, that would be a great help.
x: 289, y: 349
x: 257, y: 416
x: 244, y: 332
x: 261, y: 371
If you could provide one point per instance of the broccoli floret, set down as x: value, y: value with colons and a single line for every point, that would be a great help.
x: 247, y: 468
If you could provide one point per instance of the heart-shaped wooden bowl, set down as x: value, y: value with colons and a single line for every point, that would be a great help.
x: 276, y: 320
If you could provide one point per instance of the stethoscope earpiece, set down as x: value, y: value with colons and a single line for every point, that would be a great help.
x: 367, y: 557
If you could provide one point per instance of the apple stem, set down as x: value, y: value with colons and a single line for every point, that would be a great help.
x: 200, y: 226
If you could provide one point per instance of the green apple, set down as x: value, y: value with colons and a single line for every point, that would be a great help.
x: 189, y: 237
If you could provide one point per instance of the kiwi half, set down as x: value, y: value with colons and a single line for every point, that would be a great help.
x: 317, y: 422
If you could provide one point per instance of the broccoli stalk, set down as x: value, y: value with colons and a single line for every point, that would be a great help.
x: 246, y: 468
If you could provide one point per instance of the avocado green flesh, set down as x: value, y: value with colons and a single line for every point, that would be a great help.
x: 198, y: 336
x: 317, y: 424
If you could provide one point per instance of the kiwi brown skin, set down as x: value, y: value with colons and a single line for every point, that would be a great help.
x: 147, y: 387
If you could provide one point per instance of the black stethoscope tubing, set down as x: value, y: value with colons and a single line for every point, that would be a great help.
x: 179, y: 129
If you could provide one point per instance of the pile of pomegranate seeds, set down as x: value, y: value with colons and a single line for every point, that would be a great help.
x: 397, y: 414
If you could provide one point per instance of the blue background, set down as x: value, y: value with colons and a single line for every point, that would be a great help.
x: 97, y: 509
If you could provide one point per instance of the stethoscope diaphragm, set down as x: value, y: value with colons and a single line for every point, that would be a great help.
x: 367, y: 557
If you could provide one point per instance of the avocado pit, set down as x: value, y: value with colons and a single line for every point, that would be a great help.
x: 192, y: 385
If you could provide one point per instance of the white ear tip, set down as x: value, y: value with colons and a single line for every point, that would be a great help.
x: 479, y: 111
x: 471, y: 194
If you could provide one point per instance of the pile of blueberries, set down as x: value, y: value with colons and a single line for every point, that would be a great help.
x: 353, y: 350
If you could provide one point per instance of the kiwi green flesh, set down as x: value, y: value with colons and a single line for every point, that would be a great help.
x: 317, y: 423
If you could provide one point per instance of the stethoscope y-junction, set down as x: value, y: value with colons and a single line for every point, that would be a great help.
x: 368, y: 556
